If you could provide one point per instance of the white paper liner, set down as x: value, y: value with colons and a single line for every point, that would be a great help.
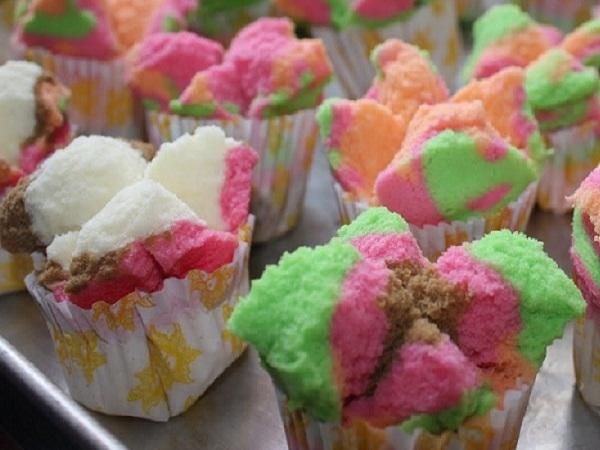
x: 286, y: 147
x: 586, y: 357
x: 149, y: 355
x: 576, y: 154
x: 13, y: 269
x: 497, y: 430
x: 101, y: 101
x: 435, y: 239
x: 433, y: 28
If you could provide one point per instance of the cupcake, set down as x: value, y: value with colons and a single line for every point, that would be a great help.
x: 263, y: 92
x: 351, y: 29
x: 149, y: 262
x: 506, y: 36
x: 584, y: 255
x: 454, y: 168
x: 584, y: 43
x: 564, y: 96
x: 372, y: 346
x: 32, y: 111
x: 83, y: 43
x: 564, y: 15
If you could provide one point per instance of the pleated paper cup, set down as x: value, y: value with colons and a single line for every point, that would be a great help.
x: 497, y: 430
x: 101, y: 101
x: 13, y: 270
x: 286, y: 147
x: 435, y: 239
x: 576, y: 154
x: 149, y: 355
x: 586, y: 357
x: 433, y: 27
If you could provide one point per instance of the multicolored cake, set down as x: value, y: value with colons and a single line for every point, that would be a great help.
x: 506, y: 36
x: 365, y: 330
x: 96, y: 29
x: 266, y: 72
x: 584, y: 43
x: 562, y: 91
x: 35, y: 124
x: 155, y: 71
x: 428, y: 180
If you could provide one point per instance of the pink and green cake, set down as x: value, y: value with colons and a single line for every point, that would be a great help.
x: 584, y: 43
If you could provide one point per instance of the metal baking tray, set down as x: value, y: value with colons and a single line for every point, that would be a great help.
x: 239, y: 411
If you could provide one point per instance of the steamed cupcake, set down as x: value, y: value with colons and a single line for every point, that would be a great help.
x: 506, y: 36
x: 585, y: 255
x: 263, y: 92
x: 83, y: 41
x: 150, y: 261
x: 454, y: 168
x: 584, y: 43
x: 372, y: 346
x: 34, y: 125
x: 565, y: 99
x: 351, y: 29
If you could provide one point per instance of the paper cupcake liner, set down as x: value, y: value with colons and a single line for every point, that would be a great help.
x: 586, y: 357
x: 286, y: 147
x: 497, y: 430
x: 101, y: 101
x: 561, y: 13
x: 435, y: 239
x: 7, y: 13
x: 433, y: 28
x: 13, y: 270
x: 149, y: 355
x: 576, y: 154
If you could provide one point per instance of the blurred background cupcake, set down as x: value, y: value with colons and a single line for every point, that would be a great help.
x: 83, y: 42
x: 263, y: 90
x: 137, y: 258
x: 454, y: 168
x: 372, y: 346
x: 351, y: 29
x: 34, y: 124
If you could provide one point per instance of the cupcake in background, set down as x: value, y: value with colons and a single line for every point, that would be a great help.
x: 584, y: 43
x: 503, y: 37
x: 222, y: 19
x: 372, y: 346
x: 585, y: 255
x: 34, y: 125
x: 563, y: 14
x: 151, y: 263
x: 565, y: 99
x: 351, y: 29
x: 83, y: 43
x: 264, y: 92
x: 453, y: 168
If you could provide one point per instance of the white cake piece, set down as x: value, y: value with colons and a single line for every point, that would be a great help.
x: 17, y: 107
x: 138, y: 211
x: 193, y: 167
x: 62, y: 248
x: 75, y: 183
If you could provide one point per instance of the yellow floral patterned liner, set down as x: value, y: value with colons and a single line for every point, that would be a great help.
x: 433, y: 28
x: 576, y: 154
x: 286, y: 147
x: 149, y: 355
x: 13, y: 270
x: 497, y: 430
x: 101, y: 101
x: 435, y: 239
x: 586, y: 358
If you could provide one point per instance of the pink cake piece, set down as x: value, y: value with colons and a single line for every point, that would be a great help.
x: 377, y: 9
x: 137, y: 270
x: 191, y: 246
x: 237, y: 189
x: 424, y: 378
x: 392, y: 248
x: 163, y: 64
